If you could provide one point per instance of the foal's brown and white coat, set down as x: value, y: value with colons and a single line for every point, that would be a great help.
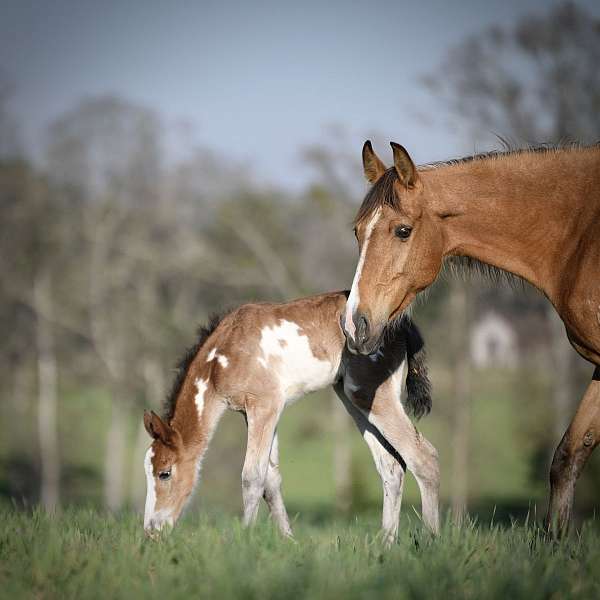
x: 257, y: 359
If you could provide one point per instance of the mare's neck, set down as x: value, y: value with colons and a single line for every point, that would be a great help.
x: 520, y: 213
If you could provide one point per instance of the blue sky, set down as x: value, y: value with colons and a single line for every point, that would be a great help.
x: 259, y: 80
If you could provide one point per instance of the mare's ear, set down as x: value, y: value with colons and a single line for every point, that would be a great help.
x: 405, y: 168
x: 158, y: 429
x: 373, y: 167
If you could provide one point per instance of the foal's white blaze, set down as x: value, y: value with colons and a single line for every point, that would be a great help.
x: 150, y: 489
x: 201, y: 387
x: 287, y: 353
x: 354, y: 298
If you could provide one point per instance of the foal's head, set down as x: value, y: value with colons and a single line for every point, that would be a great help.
x: 170, y: 474
x: 401, y: 248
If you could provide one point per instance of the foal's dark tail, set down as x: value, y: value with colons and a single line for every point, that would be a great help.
x: 418, y: 386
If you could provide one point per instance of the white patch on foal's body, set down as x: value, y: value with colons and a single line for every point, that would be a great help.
x: 150, y: 489
x: 287, y: 353
x: 201, y: 386
x: 354, y: 297
x: 221, y: 358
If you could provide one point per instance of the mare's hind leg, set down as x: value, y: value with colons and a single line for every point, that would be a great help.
x: 262, y: 417
x: 272, y: 493
x: 384, y: 410
x: 388, y: 463
x: 580, y: 439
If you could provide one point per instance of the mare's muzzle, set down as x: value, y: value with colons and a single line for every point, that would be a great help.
x: 366, y: 339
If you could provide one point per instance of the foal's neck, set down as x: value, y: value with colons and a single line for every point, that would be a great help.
x: 197, y: 411
x: 519, y: 212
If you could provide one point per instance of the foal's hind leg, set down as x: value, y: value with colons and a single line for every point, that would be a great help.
x: 580, y: 439
x: 386, y: 413
x: 389, y: 465
x: 262, y: 420
x: 272, y: 493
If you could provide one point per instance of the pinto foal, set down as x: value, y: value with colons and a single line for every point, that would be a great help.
x: 259, y: 358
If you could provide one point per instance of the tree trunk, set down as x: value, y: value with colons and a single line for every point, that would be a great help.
x: 342, y: 456
x: 562, y: 354
x: 47, y: 394
x: 461, y: 379
x: 114, y: 457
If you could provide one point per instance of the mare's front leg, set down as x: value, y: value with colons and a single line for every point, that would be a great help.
x: 272, y: 493
x: 384, y: 410
x: 262, y: 417
x: 570, y: 457
x: 388, y: 463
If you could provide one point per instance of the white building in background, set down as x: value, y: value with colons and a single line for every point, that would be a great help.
x: 493, y: 342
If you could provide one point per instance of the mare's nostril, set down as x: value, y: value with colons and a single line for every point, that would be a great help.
x: 362, y: 329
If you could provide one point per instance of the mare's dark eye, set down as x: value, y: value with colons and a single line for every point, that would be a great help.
x: 355, y: 234
x: 403, y: 232
x: 164, y: 475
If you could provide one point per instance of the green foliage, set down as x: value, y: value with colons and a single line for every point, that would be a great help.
x: 86, y: 554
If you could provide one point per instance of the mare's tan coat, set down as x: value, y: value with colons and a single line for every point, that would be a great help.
x: 535, y: 214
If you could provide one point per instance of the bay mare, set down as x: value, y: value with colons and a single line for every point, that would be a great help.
x: 261, y: 357
x: 531, y: 213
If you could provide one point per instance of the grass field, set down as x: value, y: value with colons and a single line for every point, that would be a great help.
x: 85, y: 554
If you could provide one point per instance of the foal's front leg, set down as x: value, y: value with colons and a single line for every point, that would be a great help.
x: 262, y: 422
x: 386, y: 413
x: 389, y: 465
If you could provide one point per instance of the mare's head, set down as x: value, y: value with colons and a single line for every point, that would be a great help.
x: 400, y: 243
x: 170, y: 474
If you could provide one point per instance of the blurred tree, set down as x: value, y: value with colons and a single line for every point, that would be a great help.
x: 10, y: 141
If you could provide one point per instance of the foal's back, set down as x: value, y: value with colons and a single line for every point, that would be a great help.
x: 267, y: 349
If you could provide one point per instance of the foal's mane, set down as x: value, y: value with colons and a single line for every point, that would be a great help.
x: 182, y: 367
x: 382, y: 194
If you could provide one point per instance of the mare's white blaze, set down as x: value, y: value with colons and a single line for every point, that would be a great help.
x: 150, y: 489
x: 201, y: 387
x: 354, y: 297
x: 287, y: 353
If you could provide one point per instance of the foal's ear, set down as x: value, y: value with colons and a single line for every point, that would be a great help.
x: 405, y: 168
x: 158, y: 429
x: 373, y: 167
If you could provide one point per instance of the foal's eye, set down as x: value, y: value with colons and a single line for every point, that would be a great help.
x: 403, y: 232
x: 355, y: 234
x: 164, y: 475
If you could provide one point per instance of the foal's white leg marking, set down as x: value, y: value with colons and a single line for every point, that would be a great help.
x: 261, y: 430
x: 354, y: 298
x: 201, y: 386
x: 272, y: 493
x: 287, y: 354
x: 387, y: 414
x: 389, y: 469
x: 150, y: 490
